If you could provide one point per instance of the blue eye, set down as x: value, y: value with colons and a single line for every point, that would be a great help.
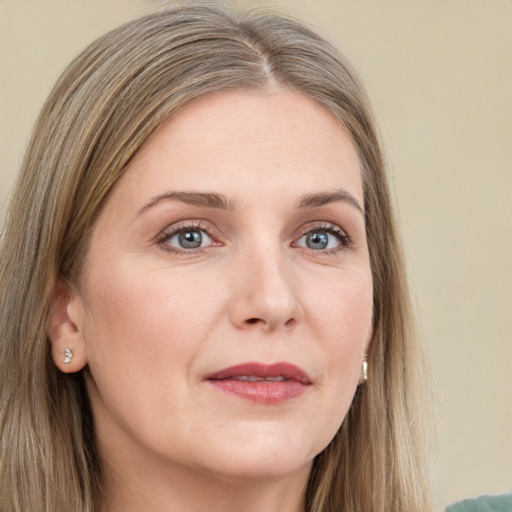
x: 322, y: 239
x: 188, y: 238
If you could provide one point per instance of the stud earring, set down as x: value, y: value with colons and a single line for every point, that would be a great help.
x: 364, y: 370
x: 68, y: 355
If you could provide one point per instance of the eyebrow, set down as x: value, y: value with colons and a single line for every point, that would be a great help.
x: 220, y: 202
x: 323, y: 198
x: 202, y: 199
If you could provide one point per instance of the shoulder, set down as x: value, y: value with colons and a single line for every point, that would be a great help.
x: 501, y: 503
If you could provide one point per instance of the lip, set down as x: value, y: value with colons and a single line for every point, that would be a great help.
x: 262, y: 383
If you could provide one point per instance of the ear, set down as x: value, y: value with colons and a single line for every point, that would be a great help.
x: 65, y: 329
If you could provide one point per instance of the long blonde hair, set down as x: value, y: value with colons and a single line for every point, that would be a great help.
x: 104, y: 107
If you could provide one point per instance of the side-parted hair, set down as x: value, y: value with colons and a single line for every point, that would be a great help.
x: 104, y: 107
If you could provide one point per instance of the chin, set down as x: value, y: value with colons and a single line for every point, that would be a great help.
x: 279, y: 468
x: 269, y: 456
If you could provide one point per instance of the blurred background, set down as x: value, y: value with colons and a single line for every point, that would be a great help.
x: 440, y: 76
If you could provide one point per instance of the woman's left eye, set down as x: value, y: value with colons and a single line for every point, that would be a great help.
x: 321, y: 239
x: 188, y: 239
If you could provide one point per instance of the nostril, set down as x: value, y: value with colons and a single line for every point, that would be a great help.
x: 251, y: 321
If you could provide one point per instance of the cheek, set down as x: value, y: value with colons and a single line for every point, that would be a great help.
x: 343, y: 320
x: 343, y: 309
x: 144, y: 320
x: 143, y: 332
x: 144, y: 299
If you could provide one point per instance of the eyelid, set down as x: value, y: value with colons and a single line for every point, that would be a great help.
x: 344, y: 239
x: 190, y: 224
x: 213, y: 233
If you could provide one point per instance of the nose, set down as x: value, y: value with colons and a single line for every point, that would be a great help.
x: 266, y: 293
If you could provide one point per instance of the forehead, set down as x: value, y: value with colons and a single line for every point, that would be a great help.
x: 248, y: 139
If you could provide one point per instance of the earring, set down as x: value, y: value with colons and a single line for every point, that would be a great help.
x: 364, y: 370
x: 68, y: 355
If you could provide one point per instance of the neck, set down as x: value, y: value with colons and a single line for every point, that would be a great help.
x: 175, y: 489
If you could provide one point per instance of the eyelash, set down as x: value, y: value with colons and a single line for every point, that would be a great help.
x: 183, y: 227
x: 344, y: 240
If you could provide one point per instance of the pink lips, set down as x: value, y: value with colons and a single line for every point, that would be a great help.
x: 265, y: 384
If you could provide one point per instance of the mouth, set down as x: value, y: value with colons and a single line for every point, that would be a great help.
x: 260, y: 383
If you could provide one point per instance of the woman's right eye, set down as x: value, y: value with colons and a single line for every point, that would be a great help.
x: 186, y: 239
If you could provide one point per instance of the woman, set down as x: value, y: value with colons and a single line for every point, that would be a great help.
x: 203, y: 295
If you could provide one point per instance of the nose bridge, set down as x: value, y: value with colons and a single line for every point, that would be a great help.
x: 267, y: 292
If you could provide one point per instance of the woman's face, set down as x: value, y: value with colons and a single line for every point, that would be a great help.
x: 226, y: 297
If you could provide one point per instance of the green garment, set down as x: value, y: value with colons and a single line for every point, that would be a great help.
x: 484, y: 504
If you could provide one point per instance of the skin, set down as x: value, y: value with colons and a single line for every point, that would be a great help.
x: 152, y: 320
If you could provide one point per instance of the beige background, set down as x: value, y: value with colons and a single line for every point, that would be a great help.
x: 440, y: 74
